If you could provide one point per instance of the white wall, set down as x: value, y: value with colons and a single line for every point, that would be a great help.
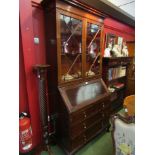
x: 126, y: 5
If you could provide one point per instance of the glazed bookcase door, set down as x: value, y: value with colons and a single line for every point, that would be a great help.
x: 71, y: 48
x: 93, y: 49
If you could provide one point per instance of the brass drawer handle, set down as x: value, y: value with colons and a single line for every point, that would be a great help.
x: 85, y: 139
x: 84, y: 114
x: 103, y: 105
x: 84, y: 125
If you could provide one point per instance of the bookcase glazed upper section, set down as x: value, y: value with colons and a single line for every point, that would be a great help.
x: 77, y: 43
x: 80, y: 44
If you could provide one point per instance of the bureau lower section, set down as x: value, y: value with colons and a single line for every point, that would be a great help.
x: 78, y: 128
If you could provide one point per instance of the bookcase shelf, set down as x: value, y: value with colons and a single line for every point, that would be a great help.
x: 116, y: 79
x: 113, y: 77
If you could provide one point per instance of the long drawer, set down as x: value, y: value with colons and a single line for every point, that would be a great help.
x: 87, y: 135
x: 84, y: 114
x: 86, y: 124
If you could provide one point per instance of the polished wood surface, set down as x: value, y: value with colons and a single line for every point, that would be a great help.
x: 75, y: 10
x: 81, y: 101
x: 81, y: 121
x: 131, y: 78
x: 131, y: 48
x: 130, y: 86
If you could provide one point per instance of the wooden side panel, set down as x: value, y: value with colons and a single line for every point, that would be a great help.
x: 131, y: 48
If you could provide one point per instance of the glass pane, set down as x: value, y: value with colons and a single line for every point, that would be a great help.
x: 71, y: 47
x: 93, y: 49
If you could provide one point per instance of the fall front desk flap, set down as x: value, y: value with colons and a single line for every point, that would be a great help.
x: 77, y: 96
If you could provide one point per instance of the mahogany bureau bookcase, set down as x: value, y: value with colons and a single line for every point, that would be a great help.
x: 74, y: 41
